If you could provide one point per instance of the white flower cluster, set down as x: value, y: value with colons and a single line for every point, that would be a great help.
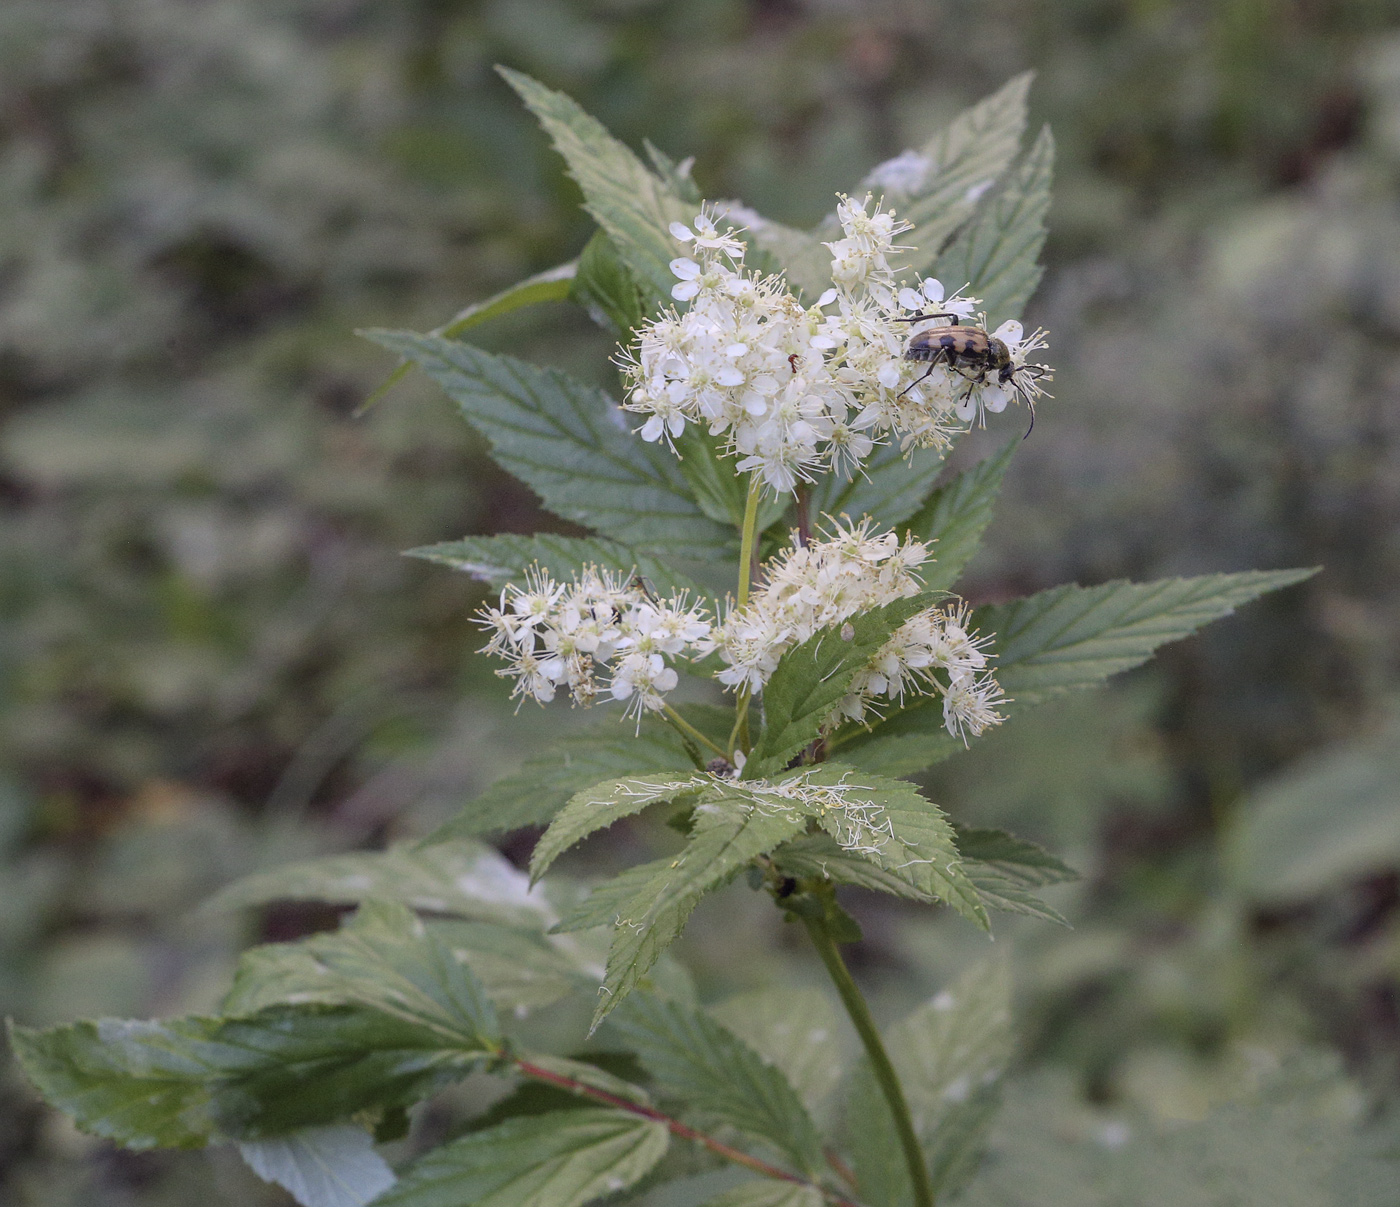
x: 563, y: 635
x: 798, y: 391
x: 828, y: 582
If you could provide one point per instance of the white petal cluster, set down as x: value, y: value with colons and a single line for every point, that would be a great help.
x: 823, y: 585
x: 572, y: 635
x: 795, y: 391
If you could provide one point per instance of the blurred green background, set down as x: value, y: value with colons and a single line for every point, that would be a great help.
x: 213, y: 658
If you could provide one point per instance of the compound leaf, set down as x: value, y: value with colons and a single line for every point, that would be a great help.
x: 571, y: 445
x: 796, y: 1029
x: 717, y: 1075
x: 552, y: 285
x: 462, y: 878
x: 598, y: 807
x: 963, y: 162
x: 729, y: 831
x: 186, y: 1081
x: 1065, y: 639
x: 632, y: 204
x: 955, y: 516
x: 1005, y: 869
x: 557, y: 1159
x: 322, y: 1166
x: 996, y: 255
x: 811, y: 678
x: 543, y: 785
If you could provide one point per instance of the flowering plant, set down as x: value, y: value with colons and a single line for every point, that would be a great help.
x: 770, y: 522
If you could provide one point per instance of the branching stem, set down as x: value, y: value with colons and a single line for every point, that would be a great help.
x: 880, y: 1064
x: 676, y: 1128
x: 747, y: 539
x: 690, y: 731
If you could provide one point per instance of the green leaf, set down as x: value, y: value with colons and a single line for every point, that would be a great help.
x: 598, y: 807
x: 719, y: 1078
x: 504, y: 558
x: 1072, y: 637
x: 728, y: 832
x: 996, y: 255
x: 629, y: 202
x: 889, y: 823
x: 322, y: 1166
x: 462, y: 878
x: 385, y: 959
x: 571, y: 444
x: 965, y: 161
x: 720, y: 490
x: 1005, y: 869
x: 889, y: 487
x: 803, y: 259
x: 552, y: 285
x: 604, y: 904
x: 676, y: 176
x: 587, y: 1074
x: 797, y: 1030
x: 769, y: 1193
x: 1065, y: 639
x: 949, y: 1054
x: 811, y: 678
x: 956, y: 515
x: 535, y: 794
x: 1332, y: 818
x: 520, y: 969
x: 185, y: 1081
x: 817, y: 857
x: 559, y: 1159
x: 605, y: 288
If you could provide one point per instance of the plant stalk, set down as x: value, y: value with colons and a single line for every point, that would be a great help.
x: 690, y: 731
x: 747, y: 539
x: 885, y: 1075
x: 676, y: 1128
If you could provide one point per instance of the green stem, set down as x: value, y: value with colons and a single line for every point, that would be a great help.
x: 880, y: 1064
x: 690, y: 731
x: 739, y: 735
x: 746, y: 546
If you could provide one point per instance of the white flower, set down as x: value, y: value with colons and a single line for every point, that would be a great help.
x: 561, y: 634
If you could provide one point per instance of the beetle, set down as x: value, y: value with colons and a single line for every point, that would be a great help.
x: 974, y: 354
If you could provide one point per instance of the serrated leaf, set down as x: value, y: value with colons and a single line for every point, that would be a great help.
x: 322, y: 1166
x: 676, y: 176
x: 587, y: 1074
x: 1005, y: 869
x: 571, y: 445
x: 1065, y: 639
x: 719, y: 1078
x: 996, y: 255
x: 1071, y: 637
x: 462, y: 878
x: 796, y: 1029
x: 728, y: 832
x: 720, y: 490
x: 817, y: 857
x: 519, y: 968
x: 598, y: 807
x: 956, y: 515
x: 605, y: 288
x: 504, y: 558
x: 552, y: 285
x: 889, y: 486
x: 629, y: 202
x: 769, y: 1193
x: 802, y: 257
x: 559, y: 1159
x: 385, y: 959
x: 890, y: 823
x: 811, y: 678
x: 948, y: 1053
x: 964, y: 162
x: 179, y: 1083
x: 535, y: 794
x: 604, y: 904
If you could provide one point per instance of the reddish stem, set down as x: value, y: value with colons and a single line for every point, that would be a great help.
x: 676, y: 1128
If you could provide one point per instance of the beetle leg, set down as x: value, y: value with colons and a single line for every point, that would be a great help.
x: 919, y: 318
x: 940, y: 356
